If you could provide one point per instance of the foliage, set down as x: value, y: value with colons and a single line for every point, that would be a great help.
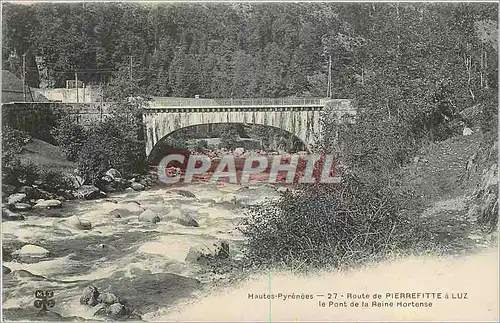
x: 53, y: 180
x: 201, y: 144
x: 330, y: 226
x: 111, y: 144
x: 13, y: 170
x: 70, y: 136
x: 229, y: 136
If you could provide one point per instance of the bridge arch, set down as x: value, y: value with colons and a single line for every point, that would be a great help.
x: 156, y: 153
x: 303, y: 123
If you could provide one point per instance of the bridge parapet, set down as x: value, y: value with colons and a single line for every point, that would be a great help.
x: 254, y: 102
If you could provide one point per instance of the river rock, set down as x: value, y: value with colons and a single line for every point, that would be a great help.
x: 85, y: 225
x: 114, y: 174
x: 31, y: 192
x: 22, y: 207
x: 127, y: 209
x: 108, y: 298
x: 7, y: 190
x: 8, y: 215
x: 149, y: 216
x: 184, y: 193
x: 129, y: 201
x: 228, y: 198
x: 206, y: 200
x: 30, y: 250
x: 89, y: 192
x: 47, y: 204
x: 108, y: 189
x: 22, y: 273
x: 199, y: 253
x: 239, y: 151
x: 222, y: 249
x: 76, y: 223
x: 282, y: 189
x: 5, y: 270
x: 120, y: 213
x: 75, y: 180
x: 182, y: 218
x: 160, y: 209
x: 188, y: 220
x: 89, y: 296
x: 137, y: 186
x: 116, y: 310
x: 16, y: 198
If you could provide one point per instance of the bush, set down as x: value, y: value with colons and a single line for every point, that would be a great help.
x: 13, y: 171
x: 332, y: 225
x: 70, y: 136
x: 111, y: 144
x: 201, y: 144
x: 19, y: 173
x: 54, y: 180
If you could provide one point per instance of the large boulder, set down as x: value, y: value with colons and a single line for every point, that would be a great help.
x: 76, y: 223
x: 149, y: 216
x: 108, y: 298
x: 22, y: 207
x: 184, y: 193
x: 8, y: 215
x: 116, y: 310
x: 16, y: 198
x: 5, y: 270
x: 89, y: 192
x: 137, y: 186
x: 30, y: 250
x: 47, y: 204
x: 219, y: 250
x: 126, y: 209
x: 89, y: 296
x: 31, y: 192
x: 75, y: 180
x: 184, y: 218
x: 114, y: 174
x: 120, y: 213
x: 228, y: 198
x: 239, y: 151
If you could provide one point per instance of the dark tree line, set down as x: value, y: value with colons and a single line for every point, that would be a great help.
x: 258, y: 50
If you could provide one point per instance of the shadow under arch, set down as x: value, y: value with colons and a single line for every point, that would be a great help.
x: 161, y: 148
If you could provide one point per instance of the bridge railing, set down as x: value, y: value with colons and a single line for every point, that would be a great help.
x: 184, y: 102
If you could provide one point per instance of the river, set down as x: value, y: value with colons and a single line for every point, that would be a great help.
x: 141, y: 262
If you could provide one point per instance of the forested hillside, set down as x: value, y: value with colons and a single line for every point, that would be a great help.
x: 403, y: 53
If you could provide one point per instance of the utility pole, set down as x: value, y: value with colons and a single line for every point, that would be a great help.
x: 24, y: 77
x: 76, y: 85
x: 329, y: 90
x: 130, y: 67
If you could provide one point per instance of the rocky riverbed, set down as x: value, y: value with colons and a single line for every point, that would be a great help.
x: 125, y: 256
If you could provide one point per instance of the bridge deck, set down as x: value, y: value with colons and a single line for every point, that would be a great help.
x: 163, y: 102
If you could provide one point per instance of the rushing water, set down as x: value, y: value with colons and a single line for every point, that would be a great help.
x: 141, y: 262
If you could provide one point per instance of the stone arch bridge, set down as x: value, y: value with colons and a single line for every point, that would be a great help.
x: 298, y: 116
x: 163, y: 116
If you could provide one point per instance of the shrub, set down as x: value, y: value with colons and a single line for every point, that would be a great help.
x: 201, y: 144
x: 70, y: 136
x: 13, y: 171
x: 53, y: 180
x: 19, y: 173
x: 332, y: 225
x: 111, y: 144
